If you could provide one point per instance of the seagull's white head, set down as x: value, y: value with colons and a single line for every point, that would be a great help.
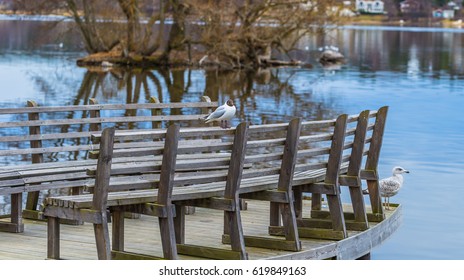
x: 399, y: 170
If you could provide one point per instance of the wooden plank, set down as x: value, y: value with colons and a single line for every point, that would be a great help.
x: 100, y: 195
x: 33, y: 197
x: 371, y: 217
x: 354, y: 168
x: 86, y: 215
x: 217, y: 203
x: 207, y: 252
x: 102, y: 179
x: 119, y: 255
x: 94, y: 114
x: 78, y: 242
x: 94, y: 107
x: 168, y: 169
x: 268, y: 195
x: 373, y: 159
x: 268, y: 243
x: 57, y: 122
x: 11, y: 227
x: 232, y: 219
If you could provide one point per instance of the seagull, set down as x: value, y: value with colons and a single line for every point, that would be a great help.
x: 223, y: 114
x: 390, y: 186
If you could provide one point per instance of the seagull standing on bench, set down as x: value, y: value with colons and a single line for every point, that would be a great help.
x: 391, y: 186
x: 223, y: 114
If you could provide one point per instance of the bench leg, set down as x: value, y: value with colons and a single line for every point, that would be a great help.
x: 102, y: 238
x: 168, y: 236
x: 336, y: 213
x: 316, y: 201
x: 53, y: 238
x: 118, y: 230
x: 359, y: 208
x: 289, y: 223
x: 15, y: 225
x: 237, y: 240
x: 375, y: 199
x: 298, y: 204
x: 179, y: 223
x: 274, y: 214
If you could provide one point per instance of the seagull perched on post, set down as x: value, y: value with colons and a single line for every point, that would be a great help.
x: 390, y: 186
x: 223, y: 114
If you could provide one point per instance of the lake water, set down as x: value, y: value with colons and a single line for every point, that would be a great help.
x: 419, y: 73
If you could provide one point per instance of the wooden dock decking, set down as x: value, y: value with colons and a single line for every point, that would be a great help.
x: 205, y: 227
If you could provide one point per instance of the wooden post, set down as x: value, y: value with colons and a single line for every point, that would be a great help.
x: 94, y: 114
x: 285, y: 182
x: 179, y: 224
x: 373, y: 160
x: 118, y: 230
x: 155, y: 112
x: 16, y: 213
x: 168, y: 169
x: 53, y: 238
x: 331, y: 178
x: 354, y: 169
x: 100, y: 195
x: 234, y: 177
x: 30, y: 211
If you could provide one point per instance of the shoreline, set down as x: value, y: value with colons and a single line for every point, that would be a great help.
x: 361, y: 22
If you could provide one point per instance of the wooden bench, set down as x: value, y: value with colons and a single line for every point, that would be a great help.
x: 363, y: 140
x: 306, y: 157
x: 40, y: 145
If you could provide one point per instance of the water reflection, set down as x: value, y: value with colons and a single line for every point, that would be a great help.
x: 418, y: 73
x: 262, y: 96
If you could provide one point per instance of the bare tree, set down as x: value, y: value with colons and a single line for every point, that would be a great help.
x: 246, y: 33
x: 231, y: 34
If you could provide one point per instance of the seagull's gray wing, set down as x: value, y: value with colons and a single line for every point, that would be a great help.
x: 219, y: 112
x: 389, y: 186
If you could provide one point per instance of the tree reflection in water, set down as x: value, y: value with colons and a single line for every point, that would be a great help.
x: 261, y: 96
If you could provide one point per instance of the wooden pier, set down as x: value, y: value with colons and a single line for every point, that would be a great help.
x: 143, y: 237
x: 157, y: 172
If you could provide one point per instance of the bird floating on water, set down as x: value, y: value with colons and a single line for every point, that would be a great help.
x: 390, y: 186
x: 223, y: 114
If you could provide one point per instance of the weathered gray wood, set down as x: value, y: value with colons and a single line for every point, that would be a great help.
x: 212, y: 253
x: 287, y: 210
x: 124, y: 106
x: 117, y: 240
x: 94, y: 114
x: 331, y: 181
x: 207, y: 185
x: 179, y: 224
x: 100, y: 195
x: 232, y: 218
x: 354, y: 169
x: 53, y: 238
x: 33, y: 197
x: 100, y: 120
x: 373, y: 160
x: 268, y: 243
x: 168, y: 169
x: 120, y: 255
x: 336, y: 151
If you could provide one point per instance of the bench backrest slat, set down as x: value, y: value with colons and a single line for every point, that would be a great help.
x: 102, y: 179
x: 37, y: 133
